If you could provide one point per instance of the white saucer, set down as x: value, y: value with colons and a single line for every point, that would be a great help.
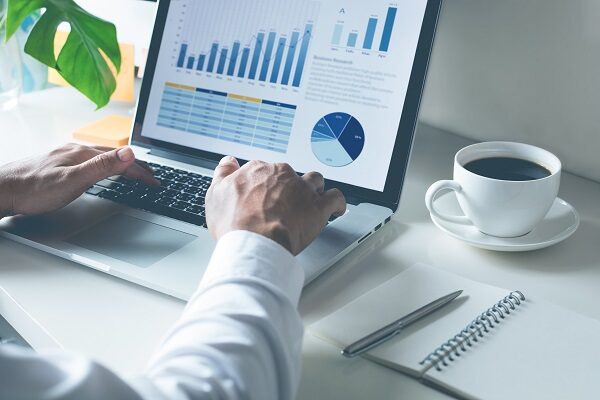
x: 561, y: 222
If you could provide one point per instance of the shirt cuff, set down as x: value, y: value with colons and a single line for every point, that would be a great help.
x: 244, y: 254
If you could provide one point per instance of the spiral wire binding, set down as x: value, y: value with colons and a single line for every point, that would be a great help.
x: 481, y: 325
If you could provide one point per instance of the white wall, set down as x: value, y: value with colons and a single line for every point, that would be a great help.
x: 134, y: 20
x: 523, y: 70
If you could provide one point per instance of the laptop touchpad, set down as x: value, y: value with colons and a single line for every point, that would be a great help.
x: 132, y: 240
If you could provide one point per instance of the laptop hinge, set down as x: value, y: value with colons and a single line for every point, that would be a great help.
x: 199, y: 162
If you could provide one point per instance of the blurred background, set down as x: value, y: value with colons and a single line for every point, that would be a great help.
x: 521, y: 70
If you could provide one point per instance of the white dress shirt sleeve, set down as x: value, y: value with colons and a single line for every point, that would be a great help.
x: 239, y: 337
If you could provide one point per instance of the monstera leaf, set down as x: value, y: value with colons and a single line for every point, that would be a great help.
x: 81, y: 61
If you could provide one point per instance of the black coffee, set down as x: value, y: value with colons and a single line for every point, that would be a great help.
x: 507, y: 169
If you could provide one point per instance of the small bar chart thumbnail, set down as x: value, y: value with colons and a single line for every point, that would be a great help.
x: 375, y: 36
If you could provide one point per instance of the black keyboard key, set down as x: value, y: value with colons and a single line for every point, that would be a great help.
x: 177, y: 186
x: 150, y: 198
x: 109, y: 194
x: 184, y: 197
x: 122, y: 180
x: 194, y: 209
x: 180, y: 205
x: 168, y: 176
x: 183, y: 179
x: 197, y: 201
x: 192, y: 190
x: 164, y: 201
x: 169, y: 193
x: 95, y: 190
x: 109, y: 184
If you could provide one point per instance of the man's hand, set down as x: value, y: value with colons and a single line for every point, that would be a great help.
x: 272, y: 200
x: 52, y: 181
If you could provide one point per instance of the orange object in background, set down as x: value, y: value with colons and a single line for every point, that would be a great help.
x: 111, y: 131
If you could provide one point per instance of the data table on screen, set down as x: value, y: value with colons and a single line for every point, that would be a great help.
x: 245, y: 120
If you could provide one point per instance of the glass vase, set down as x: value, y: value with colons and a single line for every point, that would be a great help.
x: 11, y: 73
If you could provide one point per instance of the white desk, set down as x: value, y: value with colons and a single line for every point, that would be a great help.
x: 55, y: 303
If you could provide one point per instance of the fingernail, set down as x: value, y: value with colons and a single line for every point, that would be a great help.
x: 125, y: 154
x: 226, y: 159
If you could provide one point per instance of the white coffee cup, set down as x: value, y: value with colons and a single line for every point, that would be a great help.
x: 496, y: 207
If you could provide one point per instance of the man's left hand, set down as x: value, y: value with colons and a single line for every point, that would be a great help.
x: 46, y: 183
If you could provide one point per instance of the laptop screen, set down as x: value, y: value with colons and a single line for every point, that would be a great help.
x: 320, y: 85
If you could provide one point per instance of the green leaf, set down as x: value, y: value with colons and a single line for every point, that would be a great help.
x: 18, y: 10
x: 80, y: 61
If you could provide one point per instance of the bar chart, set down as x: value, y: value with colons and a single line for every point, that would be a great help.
x: 247, y: 40
x: 266, y: 62
x: 364, y: 39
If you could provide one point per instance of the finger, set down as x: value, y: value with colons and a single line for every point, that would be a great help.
x: 333, y: 202
x: 138, y: 172
x: 114, y: 162
x: 227, y: 166
x: 315, y: 180
x: 145, y: 165
x: 103, y: 149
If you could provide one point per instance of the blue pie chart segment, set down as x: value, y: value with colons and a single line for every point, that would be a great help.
x: 337, y: 139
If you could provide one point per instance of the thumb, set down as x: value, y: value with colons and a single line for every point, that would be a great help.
x: 227, y: 166
x: 103, y: 165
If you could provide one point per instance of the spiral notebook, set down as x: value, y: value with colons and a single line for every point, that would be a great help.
x: 489, y: 343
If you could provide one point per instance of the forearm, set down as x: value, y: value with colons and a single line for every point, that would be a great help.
x: 240, y: 336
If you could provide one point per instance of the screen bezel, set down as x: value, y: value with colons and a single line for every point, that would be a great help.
x: 390, y: 196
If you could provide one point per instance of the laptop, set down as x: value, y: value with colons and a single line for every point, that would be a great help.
x: 328, y: 86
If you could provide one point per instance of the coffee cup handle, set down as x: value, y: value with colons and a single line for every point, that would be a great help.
x: 430, y: 197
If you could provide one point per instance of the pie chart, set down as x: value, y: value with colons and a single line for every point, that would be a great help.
x: 337, y: 139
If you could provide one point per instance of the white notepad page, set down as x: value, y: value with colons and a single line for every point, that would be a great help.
x: 538, y: 351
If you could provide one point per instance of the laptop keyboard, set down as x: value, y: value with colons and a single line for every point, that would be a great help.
x: 180, y: 196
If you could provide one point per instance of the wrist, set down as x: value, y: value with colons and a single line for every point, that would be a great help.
x: 6, y: 196
x: 279, y: 234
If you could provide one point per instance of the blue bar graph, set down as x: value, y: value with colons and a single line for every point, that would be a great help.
x: 190, y: 62
x: 337, y: 34
x: 257, y: 50
x: 267, y: 56
x: 213, y: 57
x: 352, y: 37
x: 387, y: 29
x: 302, y: 55
x: 222, y: 60
x: 278, y: 58
x: 182, y: 52
x: 368, y: 39
x: 201, y: 59
x: 244, y: 62
x: 368, y: 43
x: 234, y: 55
x: 287, y: 70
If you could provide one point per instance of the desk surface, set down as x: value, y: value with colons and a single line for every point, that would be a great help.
x: 55, y: 303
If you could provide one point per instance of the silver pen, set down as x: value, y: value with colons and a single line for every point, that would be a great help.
x: 389, y: 331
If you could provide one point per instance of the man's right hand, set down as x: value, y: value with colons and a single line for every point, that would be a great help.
x: 271, y: 200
